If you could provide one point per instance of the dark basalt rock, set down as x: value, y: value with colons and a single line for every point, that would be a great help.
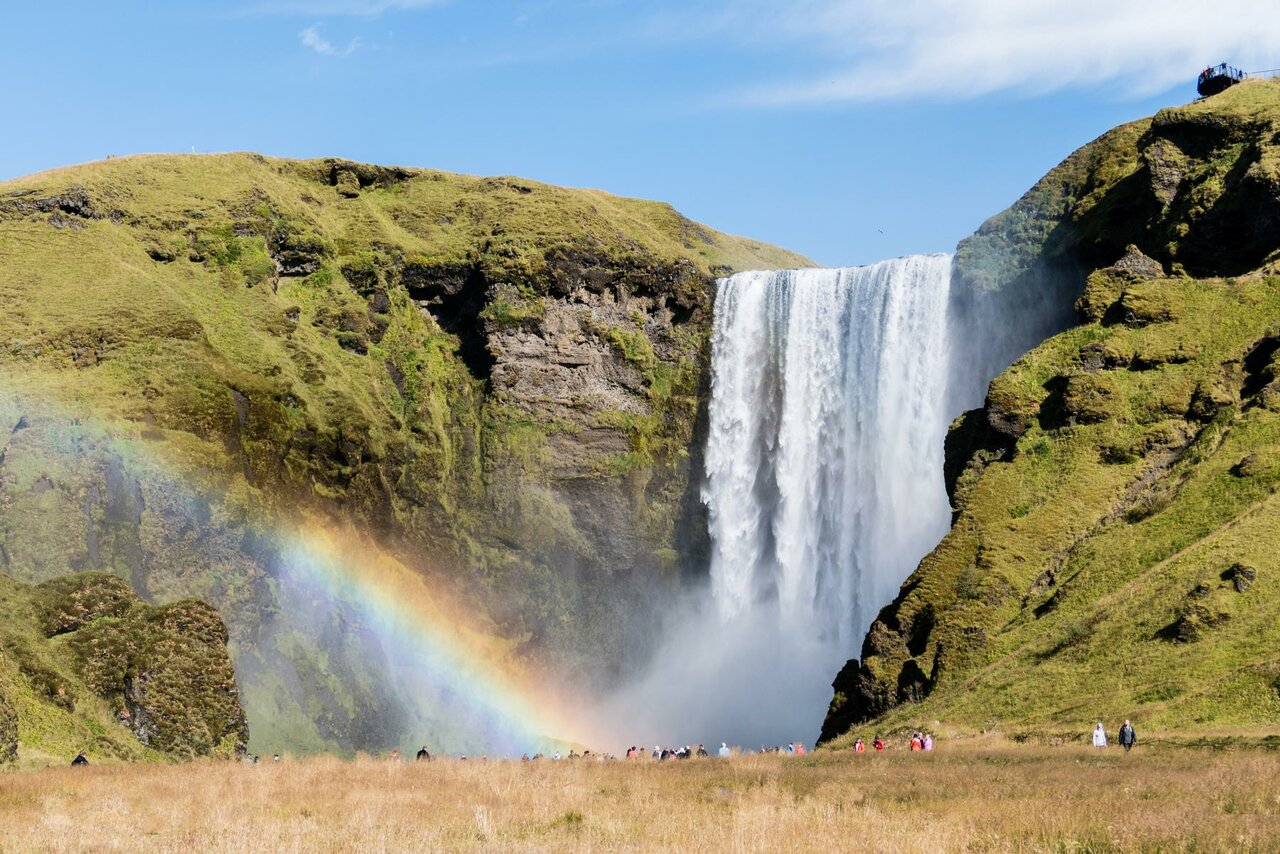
x: 296, y: 254
x: 1137, y: 266
x: 1007, y: 419
x: 1191, y: 624
x: 1209, y: 399
x: 74, y: 202
x: 1097, y: 356
x: 840, y: 715
x: 350, y: 177
x: 1248, y: 466
x: 1240, y: 576
x: 454, y: 294
x: 970, y: 445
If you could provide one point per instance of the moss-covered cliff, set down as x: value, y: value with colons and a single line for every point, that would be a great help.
x: 495, y: 380
x: 1115, y: 527
x: 85, y: 664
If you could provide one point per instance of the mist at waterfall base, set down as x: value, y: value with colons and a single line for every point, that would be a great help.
x: 823, y: 488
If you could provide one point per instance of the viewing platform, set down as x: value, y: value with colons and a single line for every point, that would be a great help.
x: 1217, y: 79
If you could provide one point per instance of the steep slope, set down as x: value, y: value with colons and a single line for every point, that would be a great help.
x: 1113, y: 545
x: 494, y: 381
x: 87, y: 665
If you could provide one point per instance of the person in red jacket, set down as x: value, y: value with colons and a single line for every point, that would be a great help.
x: 878, y: 744
x: 917, y: 743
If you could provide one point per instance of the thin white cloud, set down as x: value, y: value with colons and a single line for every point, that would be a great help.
x: 310, y: 37
x: 867, y: 50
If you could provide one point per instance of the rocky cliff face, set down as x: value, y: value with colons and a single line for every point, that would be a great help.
x: 87, y: 665
x: 1116, y: 480
x: 492, y: 381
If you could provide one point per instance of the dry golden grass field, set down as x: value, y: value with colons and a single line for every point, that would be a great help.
x: 983, y: 796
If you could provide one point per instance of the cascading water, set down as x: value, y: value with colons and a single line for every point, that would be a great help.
x: 823, y: 487
x: 824, y: 460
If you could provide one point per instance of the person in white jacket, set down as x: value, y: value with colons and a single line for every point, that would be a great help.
x: 1099, y: 736
x: 724, y: 750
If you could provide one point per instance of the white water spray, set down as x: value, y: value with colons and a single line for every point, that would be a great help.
x: 824, y: 489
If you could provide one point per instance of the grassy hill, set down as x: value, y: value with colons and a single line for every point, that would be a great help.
x: 1113, y: 549
x: 494, y: 381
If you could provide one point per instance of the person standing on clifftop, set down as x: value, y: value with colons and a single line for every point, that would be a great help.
x: 1127, y: 737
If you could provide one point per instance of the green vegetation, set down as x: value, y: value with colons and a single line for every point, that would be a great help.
x: 200, y: 350
x: 87, y: 665
x: 1112, y: 551
x: 1193, y: 187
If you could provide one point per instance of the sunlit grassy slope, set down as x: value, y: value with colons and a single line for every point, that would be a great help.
x: 1114, y: 547
x: 1122, y: 561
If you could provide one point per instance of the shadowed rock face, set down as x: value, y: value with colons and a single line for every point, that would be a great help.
x: 1147, y: 389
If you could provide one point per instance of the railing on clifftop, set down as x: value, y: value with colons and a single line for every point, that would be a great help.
x: 1218, y: 78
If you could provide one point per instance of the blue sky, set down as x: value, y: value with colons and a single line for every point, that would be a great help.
x: 848, y: 130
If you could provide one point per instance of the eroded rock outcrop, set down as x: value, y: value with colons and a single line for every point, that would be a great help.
x: 105, y: 672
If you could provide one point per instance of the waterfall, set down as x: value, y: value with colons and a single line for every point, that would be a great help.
x: 823, y: 487
x: 824, y: 459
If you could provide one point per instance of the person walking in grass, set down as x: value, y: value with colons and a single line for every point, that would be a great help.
x: 1127, y: 737
x: 858, y: 746
x: 1099, y: 736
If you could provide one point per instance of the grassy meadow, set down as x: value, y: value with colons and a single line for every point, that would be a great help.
x: 979, y: 795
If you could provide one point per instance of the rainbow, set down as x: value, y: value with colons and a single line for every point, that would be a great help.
x: 506, y: 710
x: 465, y: 686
